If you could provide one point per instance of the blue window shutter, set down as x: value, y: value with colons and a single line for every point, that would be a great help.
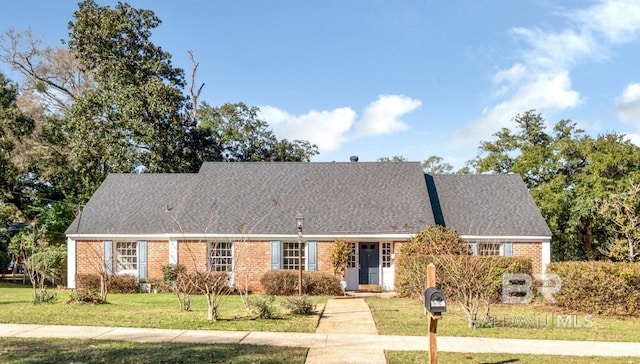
x: 312, y: 255
x: 508, y: 248
x: 142, y: 259
x: 108, y: 256
x: 473, y: 247
x: 276, y: 254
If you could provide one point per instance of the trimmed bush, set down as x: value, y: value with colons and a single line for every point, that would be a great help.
x: 284, y: 282
x: 88, y: 281
x: 118, y: 283
x: 280, y: 282
x: 123, y: 283
x: 605, y: 288
x: 321, y: 284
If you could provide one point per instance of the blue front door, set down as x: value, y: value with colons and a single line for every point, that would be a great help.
x: 369, y: 256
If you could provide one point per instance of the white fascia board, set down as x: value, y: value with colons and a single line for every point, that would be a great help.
x: 515, y: 238
x: 237, y: 237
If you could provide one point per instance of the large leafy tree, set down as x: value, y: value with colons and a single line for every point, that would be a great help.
x: 234, y: 133
x: 135, y: 119
x: 14, y: 126
x: 567, y: 172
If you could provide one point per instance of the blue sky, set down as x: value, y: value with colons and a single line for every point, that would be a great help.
x: 383, y: 78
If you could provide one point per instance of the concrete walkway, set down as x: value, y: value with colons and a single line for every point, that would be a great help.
x: 346, y: 334
x: 343, y: 320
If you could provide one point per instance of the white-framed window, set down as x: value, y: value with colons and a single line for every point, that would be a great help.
x: 351, y: 263
x: 386, y: 254
x: 221, y: 256
x: 126, y: 257
x: 488, y: 248
x: 290, y: 252
x: 491, y: 248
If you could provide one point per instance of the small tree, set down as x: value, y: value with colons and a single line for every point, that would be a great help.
x: 340, y: 257
x: 41, y: 260
x: 175, y: 278
x: 471, y: 281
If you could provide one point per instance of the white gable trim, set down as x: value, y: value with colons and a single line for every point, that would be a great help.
x: 513, y: 238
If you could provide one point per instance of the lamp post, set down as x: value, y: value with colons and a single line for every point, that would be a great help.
x: 299, y: 224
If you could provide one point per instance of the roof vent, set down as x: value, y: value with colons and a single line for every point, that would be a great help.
x: 274, y: 158
x: 353, y: 158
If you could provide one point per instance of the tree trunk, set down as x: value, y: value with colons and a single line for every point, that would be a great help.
x: 212, y: 312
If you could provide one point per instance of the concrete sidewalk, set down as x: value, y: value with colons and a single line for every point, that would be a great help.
x: 327, y: 341
x: 346, y: 334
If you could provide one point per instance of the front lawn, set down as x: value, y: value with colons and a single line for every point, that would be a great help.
x: 403, y: 316
x: 146, y: 310
x: 15, y: 350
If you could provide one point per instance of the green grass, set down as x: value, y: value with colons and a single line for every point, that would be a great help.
x: 403, y: 316
x: 14, y: 350
x: 145, y: 310
x: 405, y: 357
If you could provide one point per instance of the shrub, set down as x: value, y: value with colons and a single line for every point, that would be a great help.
x: 321, y: 283
x: 170, y: 272
x: 43, y: 296
x: 123, y: 283
x: 599, y: 287
x: 84, y: 296
x: 299, y: 305
x: 284, y: 282
x: 263, y: 306
x: 411, y: 271
x: 281, y: 282
x: 88, y: 281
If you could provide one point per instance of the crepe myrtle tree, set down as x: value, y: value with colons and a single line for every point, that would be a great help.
x: 211, y: 276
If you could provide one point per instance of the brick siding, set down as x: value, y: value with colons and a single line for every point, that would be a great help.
x: 252, y: 259
x: 530, y: 250
x: 157, y: 256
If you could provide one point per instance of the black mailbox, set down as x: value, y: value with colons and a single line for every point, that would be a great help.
x: 434, y: 300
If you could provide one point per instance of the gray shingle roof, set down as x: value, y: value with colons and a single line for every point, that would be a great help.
x: 335, y: 198
x: 486, y: 205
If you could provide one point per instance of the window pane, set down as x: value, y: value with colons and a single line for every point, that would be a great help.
x: 386, y: 255
x: 352, y: 257
x: 221, y: 256
x: 488, y: 249
x: 290, y: 253
x: 126, y: 256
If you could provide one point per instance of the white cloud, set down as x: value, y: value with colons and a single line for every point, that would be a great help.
x: 633, y: 138
x: 330, y: 129
x: 555, y: 50
x: 617, y: 20
x: 543, y: 91
x: 540, y: 79
x: 382, y: 116
x: 326, y: 129
x: 628, y: 104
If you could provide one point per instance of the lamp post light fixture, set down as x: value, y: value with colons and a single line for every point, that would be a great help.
x: 299, y: 224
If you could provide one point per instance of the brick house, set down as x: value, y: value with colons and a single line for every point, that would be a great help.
x: 240, y: 218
